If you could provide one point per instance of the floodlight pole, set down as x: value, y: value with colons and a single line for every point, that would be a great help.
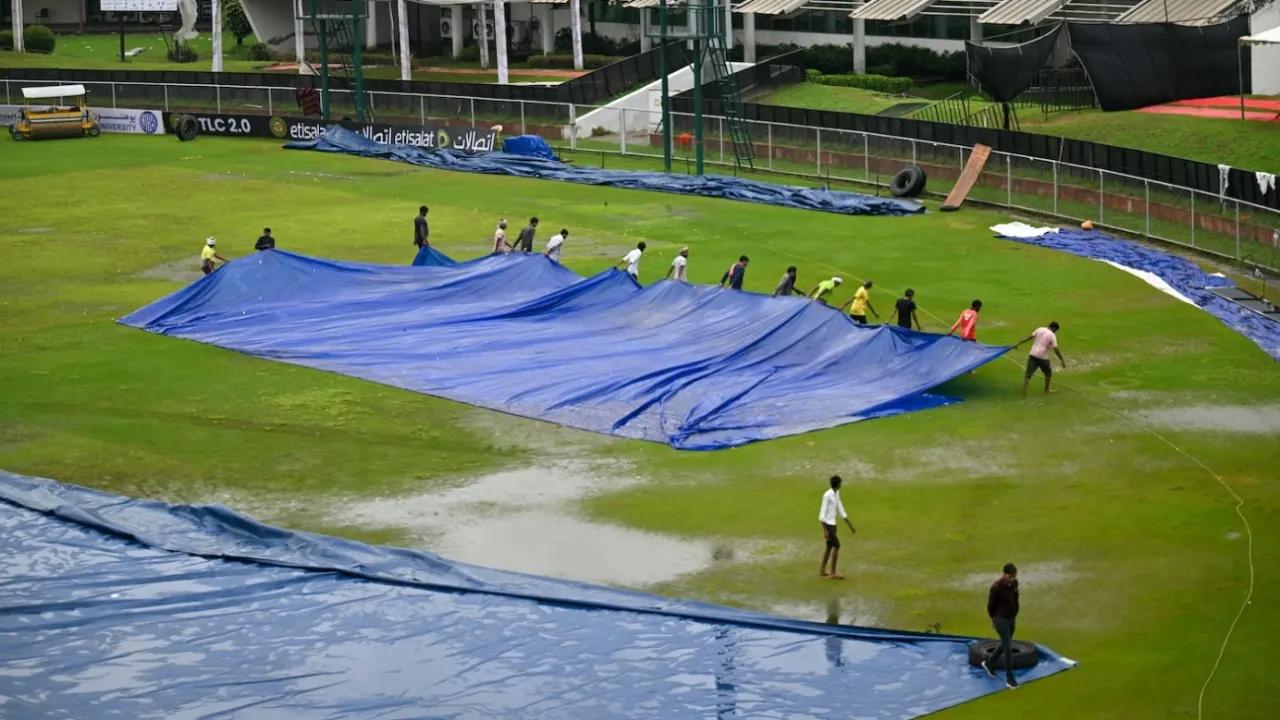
x: 323, y: 38
x: 1240, y: 74
x: 699, y: 31
x: 121, y: 32
x: 357, y: 46
x: 666, y: 91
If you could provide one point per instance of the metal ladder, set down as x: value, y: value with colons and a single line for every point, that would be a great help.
x: 338, y: 34
x: 744, y: 151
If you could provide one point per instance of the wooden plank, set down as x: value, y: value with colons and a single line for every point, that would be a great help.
x: 972, y: 169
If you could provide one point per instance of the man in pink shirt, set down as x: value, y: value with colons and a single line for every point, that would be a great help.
x: 968, y: 322
x: 1043, y: 340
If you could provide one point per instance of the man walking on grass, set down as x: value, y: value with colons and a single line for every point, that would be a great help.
x: 825, y: 288
x: 632, y: 261
x: 831, y: 507
x: 1002, y: 608
x: 905, y: 311
x: 421, y: 231
x: 524, y: 241
x: 787, y: 285
x: 555, y: 244
x: 679, y: 266
x: 1044, y: 339
x: 736, y: 274
x: 968, y: 322
x: 208, y: 254
x: 860, y: 304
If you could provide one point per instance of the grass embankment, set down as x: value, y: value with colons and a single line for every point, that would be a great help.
x: 102, y: 52
x: 1133, y: 560
x: 1251, y: 145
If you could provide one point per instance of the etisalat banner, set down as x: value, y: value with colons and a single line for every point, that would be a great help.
x: 461, y: 139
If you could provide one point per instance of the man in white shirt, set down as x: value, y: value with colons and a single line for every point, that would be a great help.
x: 554, y: 245
x: 632, y: 261
x: 1044, y: 339
x: 500, y: 238
x: 679, y: 266
x: 832, y: 507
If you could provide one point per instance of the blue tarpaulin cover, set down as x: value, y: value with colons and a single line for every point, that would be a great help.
x: 340, y: 140
x: 694, y: 366
x: 428, y: 255
x: 111, y: 607
x: 1181, y: 274
x: 529, y: 145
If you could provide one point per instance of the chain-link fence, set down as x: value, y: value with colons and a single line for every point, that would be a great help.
x: 1217, y: 225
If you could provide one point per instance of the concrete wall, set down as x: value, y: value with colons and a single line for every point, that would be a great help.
x: 1266, y: 58
x: 642, y: 109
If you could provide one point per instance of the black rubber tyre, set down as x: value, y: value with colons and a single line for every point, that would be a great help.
x: 188, y: 128
x: 1025, y: 654
x: 94, y: 131
x: 909, y: 182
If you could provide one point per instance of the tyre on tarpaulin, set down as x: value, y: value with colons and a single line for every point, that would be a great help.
x: 909, y: 182
x: 187, y: 128
x: 1025, y: 654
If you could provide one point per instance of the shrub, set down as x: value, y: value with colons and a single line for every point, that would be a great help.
x: 812, y: 75
x: 592, y: 44
x: 39, y: 39
x: 829, y: 59
x: 236, y: 22
x: 879, y: 83
x: 565, y: 61
x: 917, y: 62
x: 259, y: 51
x: 6, y: 39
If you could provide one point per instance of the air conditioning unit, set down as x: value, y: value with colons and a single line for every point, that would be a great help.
x: 488, y: 29
x: 447, y: 18
x: 518, y: 32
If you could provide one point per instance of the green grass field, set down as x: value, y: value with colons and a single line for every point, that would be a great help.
x: 1133, y: 560
x: 1252, y: 145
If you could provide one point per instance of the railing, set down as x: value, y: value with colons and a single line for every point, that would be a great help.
x: 1224, y: 227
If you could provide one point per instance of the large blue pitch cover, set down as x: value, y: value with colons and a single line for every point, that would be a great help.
x: 119, y: 608
x: 693, y: 366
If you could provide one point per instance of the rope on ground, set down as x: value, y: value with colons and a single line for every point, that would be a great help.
x: 1238, y: 507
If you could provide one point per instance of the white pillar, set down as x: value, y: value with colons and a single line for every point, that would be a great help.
x: 216, y: 12
x: 299, y: 38
x: 859, y: 46
x: 975, y: 30
x: 575, y: 11
x: 455, y: 29
x: 690, y: 13
x: 402, y: 31
x: 482, y: 37
x: 728, y: 27
x: 749, y: 37
x: 646, y: 42
x: 548, y: 30
x: 371, y: 26
x: 500, y: 38
x: 18, y: 26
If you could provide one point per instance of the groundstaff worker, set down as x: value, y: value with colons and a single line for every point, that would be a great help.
x: 524, y: 241
x: 831, y: 507
x: 209, y: 254
x: 421, y: 231
x: 265, y: 242
x: 1002, y: 608
x: 1044, y: 339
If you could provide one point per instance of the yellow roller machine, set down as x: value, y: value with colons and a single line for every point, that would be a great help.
x: 56, y: 121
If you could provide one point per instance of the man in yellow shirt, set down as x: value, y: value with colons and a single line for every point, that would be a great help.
x: 825, y: 288
x: 209, y: 254
x: 860, y: 304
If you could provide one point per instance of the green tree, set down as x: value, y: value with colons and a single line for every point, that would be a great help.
x: 235, y: 20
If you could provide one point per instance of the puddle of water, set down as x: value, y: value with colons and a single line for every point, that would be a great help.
x: 1245, y: 419
x: 522, y: 520
x: 35, y: 230
x: 1033, y: 575
x: 839, y: 610
x: 185, y: 271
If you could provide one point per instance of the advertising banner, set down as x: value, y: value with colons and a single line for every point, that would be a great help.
x: 110, y: 120
x: 461, y: 139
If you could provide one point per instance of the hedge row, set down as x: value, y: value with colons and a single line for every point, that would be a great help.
x: 36, y: 39
x: 879, y: 83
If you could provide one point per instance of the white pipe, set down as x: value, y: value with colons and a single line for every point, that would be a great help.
x: 575, y: 12
x: 455, y: 29
x: 402, y: 26
x: 749, y: 37
x: 859, y: 46
x: 500, y: 38
x: 18, y: 44
x: 216, y: 12
x: 299, y: 38
x: 547, y: 29
x: 482, y: 37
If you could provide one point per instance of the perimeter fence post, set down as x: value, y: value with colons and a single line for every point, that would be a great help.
x: 422, y: 110
x: 7, y: 101
x: 720, y: 133
x: 473, y: 111
x: 166, y: 97
x: 573, y: 126
x: 818, y: 133
x: 1102, y: 196
x: 522, y: 127
x: 1008, y: 179
x: 270, y: 105
x: 113, y: 95
x: 769, y: 138
x: 1237, y: 229
x: 622, y: 128
x: 866, y: 157
x: 1193, y: 218
x: 1055, y: 187
x: 1146, y: 189
x: 217, y: 90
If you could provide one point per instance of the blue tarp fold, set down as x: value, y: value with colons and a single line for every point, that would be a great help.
x: 340, y: 140
x: 111, y: 607
x: 1181, y: 274
x: 696, y: 367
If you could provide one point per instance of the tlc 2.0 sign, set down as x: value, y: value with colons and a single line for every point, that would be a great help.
x: 467, y: 140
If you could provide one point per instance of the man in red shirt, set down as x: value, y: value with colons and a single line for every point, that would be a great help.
x: 968, y: 322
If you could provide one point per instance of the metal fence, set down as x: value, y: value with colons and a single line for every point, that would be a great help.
x: 1220, y: 226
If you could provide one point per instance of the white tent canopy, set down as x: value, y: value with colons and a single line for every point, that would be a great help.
x: 52, y: 91
x: 1268, y: 37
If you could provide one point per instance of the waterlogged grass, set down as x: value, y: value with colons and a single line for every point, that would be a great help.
x: 1133, y: 560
